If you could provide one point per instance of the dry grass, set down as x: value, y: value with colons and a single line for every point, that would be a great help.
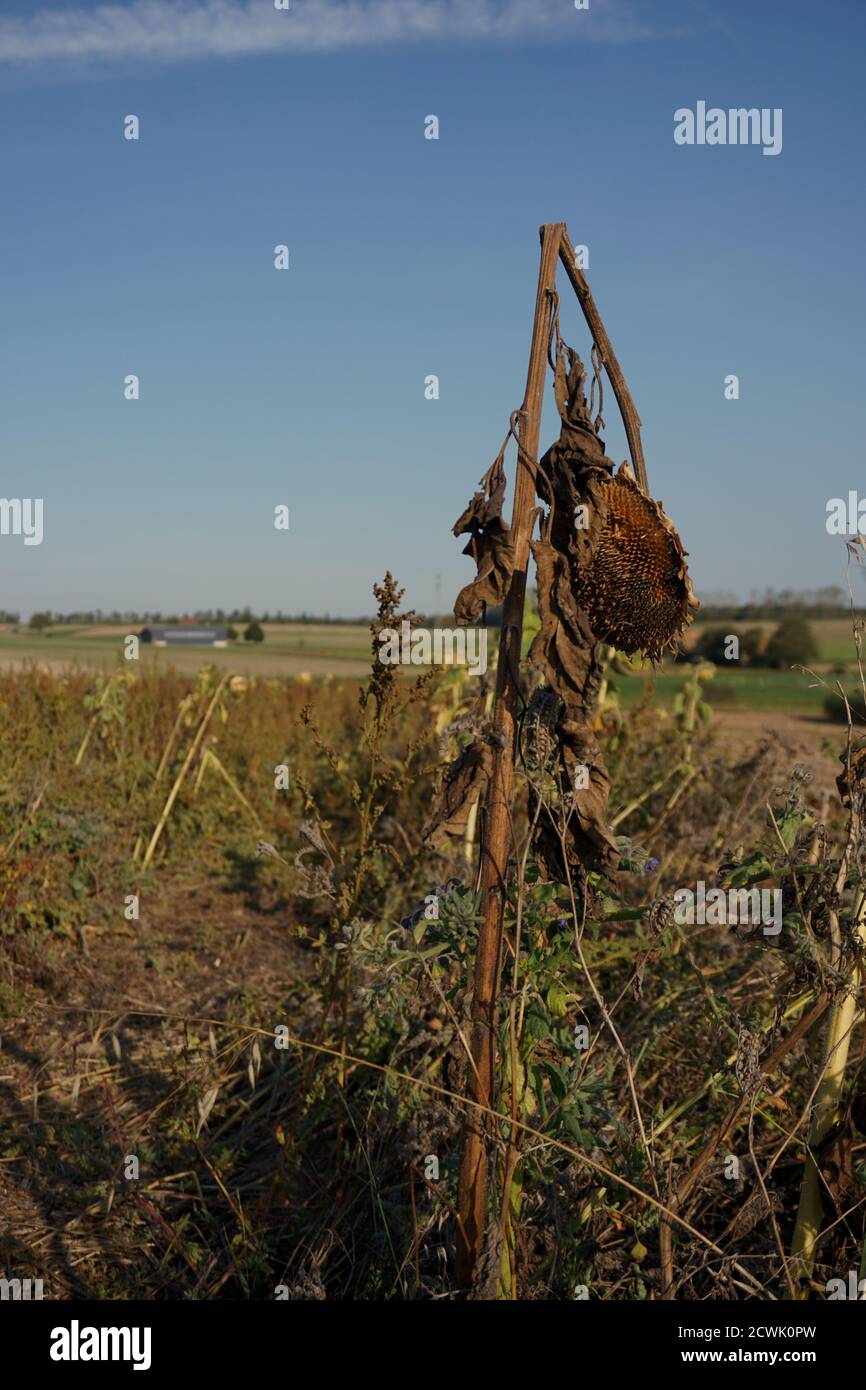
x: 261, y: 1168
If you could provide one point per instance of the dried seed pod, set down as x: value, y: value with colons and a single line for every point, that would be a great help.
x: 747, y: 1067
x: 628, y: 569
x: 539, y: 727
x: 753, y: 1212
x: 661, y: 913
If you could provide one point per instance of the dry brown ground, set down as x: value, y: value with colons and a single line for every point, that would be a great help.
x: 96, y: 1063
x: 806, y: 738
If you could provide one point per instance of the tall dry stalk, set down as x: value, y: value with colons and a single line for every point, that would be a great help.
x: 187, y: 764
x: 474, y: 1165
x: 825, y: 1113
x: 498, y: 836
x: 844, y: 1015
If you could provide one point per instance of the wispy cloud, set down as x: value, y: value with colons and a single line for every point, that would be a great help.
x: 169, y: 31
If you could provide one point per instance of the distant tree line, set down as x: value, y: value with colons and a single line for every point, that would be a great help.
x: 253, y: 631
x: 773, y: 605
x: 770, y: 605
x: 131, y: 618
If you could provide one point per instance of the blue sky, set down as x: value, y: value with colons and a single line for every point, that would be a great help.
x: 410, y: 257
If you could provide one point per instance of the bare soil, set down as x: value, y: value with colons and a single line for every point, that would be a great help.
x: 808, y: 739
x: 96, y: 1066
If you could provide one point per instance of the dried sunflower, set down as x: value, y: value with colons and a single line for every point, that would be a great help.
x: 628, y: 568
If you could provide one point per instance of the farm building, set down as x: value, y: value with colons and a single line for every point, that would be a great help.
x: 185, y: 635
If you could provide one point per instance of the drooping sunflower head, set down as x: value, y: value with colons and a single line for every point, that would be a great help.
x: 629, y: 572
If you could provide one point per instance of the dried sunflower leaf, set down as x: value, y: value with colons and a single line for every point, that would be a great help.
x: 461, y: 783
x: 490, y: 545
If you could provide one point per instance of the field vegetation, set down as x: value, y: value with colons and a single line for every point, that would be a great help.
x: 232, y: 953
x: 342, y: 650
